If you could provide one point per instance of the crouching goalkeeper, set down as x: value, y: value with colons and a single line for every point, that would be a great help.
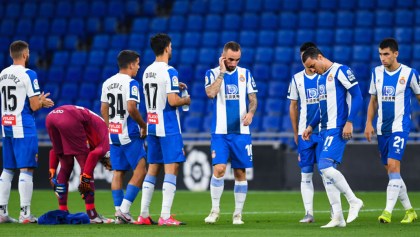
x: 77, y: 133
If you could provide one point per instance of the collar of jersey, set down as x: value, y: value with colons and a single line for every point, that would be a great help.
x: 230, y: 73
x: 393, y: 72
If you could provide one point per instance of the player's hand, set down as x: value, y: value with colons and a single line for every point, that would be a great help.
x: 106, y: 162
x: 369, y: 131
x: 182, y: 86
x: 187, y: 100
x: 84, y: 186
x: 348, y: 131
x: 143, y: 132
x: 247, y: 119
x: 295, y: 138
x: 307, y: 133
x: 46, y: 102
x: 51, y: 176
x: 59, y: 189
x: 222, y: 64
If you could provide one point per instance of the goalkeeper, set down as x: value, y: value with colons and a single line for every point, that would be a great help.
x: 77, y: 132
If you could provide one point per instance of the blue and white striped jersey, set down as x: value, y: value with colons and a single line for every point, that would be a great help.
x: 17, y: 85
x: 394, y: 91
x: 303, y: 88
x: 159, y: 80
x: 334, y: 98
x: 231, y: 103
x: 117, y: 91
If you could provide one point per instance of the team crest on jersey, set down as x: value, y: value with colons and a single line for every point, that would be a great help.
x: 402, y: 81
x: 242, y: 78
x: 232, y: 92
x: 36, y: 85
x: 330, y: 77
x: 134, y: 90
x: 174, y: 81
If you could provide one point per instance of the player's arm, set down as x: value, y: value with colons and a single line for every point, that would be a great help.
x: 252, y: 107
x: 105, y: 112
x: 371, y: 112
x: 175, y: 101
x: 214, y: 88
x: 294, y: 115
x: 53, y: 160
x: 135, y: 114
x: 41, y: 101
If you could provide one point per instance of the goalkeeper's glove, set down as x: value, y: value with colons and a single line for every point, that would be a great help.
x: 51, y: 176
x: 84, y: 186
x: 59, y: 189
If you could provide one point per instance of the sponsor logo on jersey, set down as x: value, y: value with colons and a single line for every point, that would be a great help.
x: 388, y: 94
x: 311, y: 96
x: 232, y: 92
x: 152, y: 118
x: 402, y: 81
x: 175, y: 81
x: 115, y: 128
x: 322, y: 94
x: 36, y: 85
x: 8, y: 120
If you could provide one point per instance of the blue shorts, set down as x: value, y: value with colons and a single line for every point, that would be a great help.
x: 309, y: 150
x: 237, y: 146
x: 165, y: 150
x: 334, y: 144
x: 126, y: 157
x: 392, y: 146
x: 20, y: 153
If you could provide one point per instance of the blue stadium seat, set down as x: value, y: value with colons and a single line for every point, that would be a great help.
x: 24, y: 27
x: 280, y: 72
x: 53, y: 89
x: 115, y: 9
x: 60, y: 58
x: 364, y: 18
x: 140, y: 25
x: 416, y: 53
x: 405, y: 4
x: 405, y: 51
x: 267, y: 38
x: 217, y: 6
x: 78, y: 58
x: 13, y: 10
x: 210, y: 39
x: 250, y: 21
x: 176, y: 40
x: 149, y: 57
x: 180, y: 7
x: 96, y: 58
x: 328, y: 5
x: 192, y: 39
x: 37, y: 43
x: 71, y: 42
x: 385, y: 4
x: 417, y: 16
x: 270, y: 123
x: 255, y: 125
x: 345, y: 19
x: 264, y: 55
x: 262, y: 91
x: 384, y: 18
x: 342, y: 54
x: 197, y: 90
x: 326, y: 19
x: 201, y: 69
x: 363, y: 36
x: 285, y: 37
x: 403, y: 34
x: 63, y: 101
x: 7, y: 27
x: 199, y: 7
x: 46, y: 9
x: 84, y: 103
x: 41, y: 26
x: 59, y: 26
x: 29, y: 9
x: 283, y: 54
x: 248, y: 38
x: 288, y: 20
x: 404, y: 18
x: 382, y: 33
x: 177, y: 23
x: 234, y: 6
x: 87, y: 91
x: 208, y: 56
x: 325, y: 36
x: 247, y: 56
x: 119, y: 41
x: 286, y: 124
x: 185, y: 74
x: 63, y: 9
x: 195, y: 23
x: 273, y: 106
x: 197, y: 108
x: 108, y: 72
x: 136, y: 41
x: 366, y: 5
x: 110, y: 25
x: 92, y: 74
x: 278, y: 89
x: 56, y: 75
x: 53, y: 42
x: 261, y: 71
x: 159, y: 24
x: 231, y: 22
x: 213, y: 22
x: 69, y: 90
x: 192, y: 124
x: 100, y: 42
x: 307, y: 20
x: 309, y: 5
x: 362, y: 53
x: 291, y: 5
x: 76, y: 27
x: 253, y: 6
x: 96, y: 107
x: 80, y: 9
x: 188, y: 56
x: 344, y: 36
x: 228, y: 36
x: 74, y: 74
x: 305, y: 35
x: 98, y: 9
x: 269, y: 21
x: 93, y: 25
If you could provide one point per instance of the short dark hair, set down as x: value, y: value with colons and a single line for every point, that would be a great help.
x: 390, y: 43
x: 126, y: 57
x: 306, y: 46
x: 17, y: 47
x: 159, y: 42
x: 232, y: 45
x: 311, y: 53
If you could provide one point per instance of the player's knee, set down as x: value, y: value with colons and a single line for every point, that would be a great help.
x: 325, y: 163
x: 219, y: 170
x: 307, y: 169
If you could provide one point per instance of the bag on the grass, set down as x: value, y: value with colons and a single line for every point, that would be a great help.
x: 58, y: 217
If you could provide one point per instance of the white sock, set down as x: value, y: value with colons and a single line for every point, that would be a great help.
x: 146, y: 198
x: 117, y: 208
x: 216, y: 190
x: 5, y: 186
x: 168, y: 192
x: 340, y: 183
x: 334, y: 198
x: 125, y: 206
x: 392, y: 191
x: 240, y: 190
x: 26, y: 187
x: 403, y: 196
x: 307, y: 191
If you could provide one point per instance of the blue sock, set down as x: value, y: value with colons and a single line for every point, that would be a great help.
x: 131, y: 192
x: 118, y: 196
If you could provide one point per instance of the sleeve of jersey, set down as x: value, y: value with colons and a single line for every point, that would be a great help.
x: 372, y: 88
x: 251, y: 86
x: 172, y: 84
x: 292, y: 92
x: 53, y: 160
x: 92, y: 159
x: 209, y: 78
x: 415, y: 82
x: 133, y: 93
x: 346, y: 77
x: 33, y: 88
x: 356, y: 102
x: 103, y: 94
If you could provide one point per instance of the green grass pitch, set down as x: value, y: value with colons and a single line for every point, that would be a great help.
x: 265, y: 214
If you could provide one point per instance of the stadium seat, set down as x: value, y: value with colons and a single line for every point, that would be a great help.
x: 270, y: 123
x: 192, y: 39
x: 185, y: 74
x: 213, y: 22
x: 111, y: 57
x: 217, y: 6
x: 56, y: 75
x: 115, y: 9
x: 416, y: 53
x: 7, y: 27
x: 53, y: 89
x: 176, y: 39
x: 188, y: 56
x: 234, y: 6
x: 404, y: 4
x: 403, y: 34
x: 362, y: 53
x: 96, y: 58
x: 37, y: 43
x: 288, y: 20
x: 87, y: 91
x: 385, y: 4
x: 192, y: 124
x: 417, y: 16
x: 363, y: 36
x: 384, y: 18
x: 119, y: 41
x: 250, y: 21
x: 177, y: 23
x: 366, y: 5
x: 92, y: 74
x: 255, y: 125
x: 364, y: 18
x: 283, y: 54
x: 80, y: 9
x: 60, y: 58
x: 328, y: 5
x: 149, y: 57
x: 269, y: 21
x: 197, y: 90
x: 278, y: 89
x: 74, y: 74
x: 405, y: 51
x: 194, y: 23
x: 199, y: 7
x: 63, y: 9
x: 382, y: 33
x: 100, y: 42
x: 342, y: 54
x: 93, y: 25
x: 305, y: 35
x: 110, y: 25
x: 309, y: 5
x: 108, y: 72
x: 76, y: 27
x: 264, y: 55
x: 53, y: 42
x: 59, y: 26
x: 135, y: 41
x: 71, y: 42
x: 69, y: 90
x: 63, y: 101
x: 78, y: 58
x: 41, y: 27
x: 13, y: 11
x: 325, y: 36
x: 285, y: 37
x: 140, y: 25
x: 326, y: 19
x: 228, y: 36
x: 307, y: 20
x: 24, y: 27
x: 267, y: 38
x: 286, y: 124
x: 253, y: 6
x: 46, y: 9
x: 291, y: 5
x: 344, y: 36
x: 197, y: 108
x: 180, y: 7
x: 345, y: 19
x: 29, y: 9
x: 96, y: 107
x: 98, y: 9
x: 231, y: 22
x: 261, y: 72
x: 247, y: 56
x: 280, y: 72
x: 208, y: 56
x: 84, y: 103
x: 201, y: 69
x: 210, y: 39
x: 248, y: 38
x: 417, y: 34
x: 159, y: 24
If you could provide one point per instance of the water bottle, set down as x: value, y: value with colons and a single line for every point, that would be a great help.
x: 185, y: 94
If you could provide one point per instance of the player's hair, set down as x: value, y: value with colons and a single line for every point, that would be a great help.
x: 126, y: 57
x: 159, y: 42
x: 390, y: 43
x: 306, y: 46
x: 232, y: 45
x: 311, y: 53
x: 17, y: 48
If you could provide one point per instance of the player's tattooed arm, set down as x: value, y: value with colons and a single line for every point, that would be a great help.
x: 214, y: 88
x: 252, y: 103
